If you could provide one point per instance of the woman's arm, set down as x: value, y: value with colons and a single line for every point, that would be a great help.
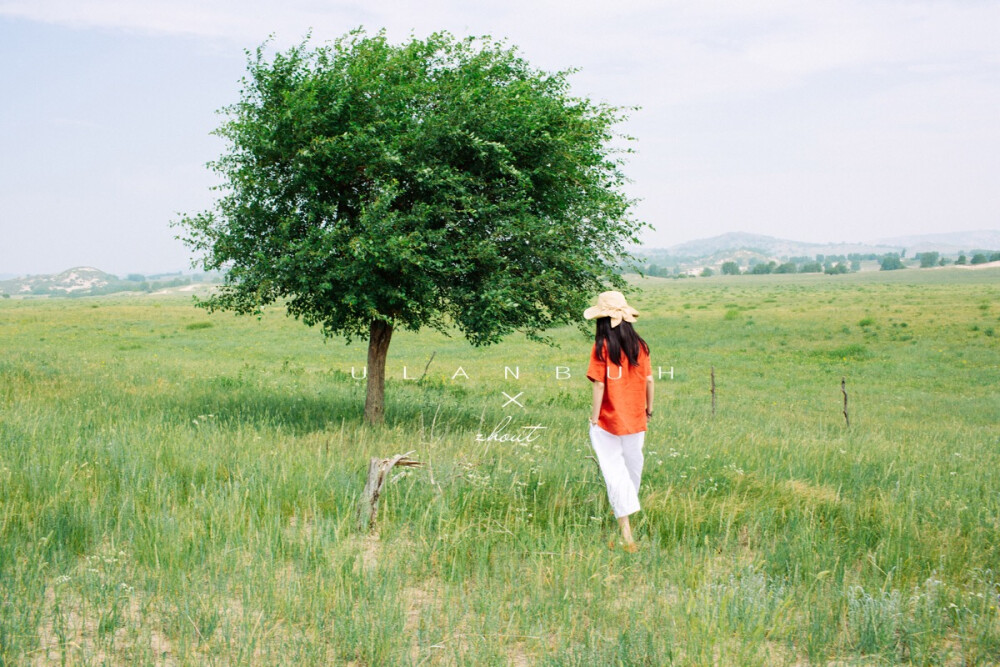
x: 595, y: 407
x: 649, y: 395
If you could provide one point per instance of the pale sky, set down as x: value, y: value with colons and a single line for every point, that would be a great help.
x: 815, y: 121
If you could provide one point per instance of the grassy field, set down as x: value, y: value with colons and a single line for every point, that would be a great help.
x: 179, y: 488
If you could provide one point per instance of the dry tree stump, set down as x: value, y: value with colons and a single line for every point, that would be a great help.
x: 378, y: 470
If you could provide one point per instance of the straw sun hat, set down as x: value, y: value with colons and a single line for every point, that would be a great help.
x: 612, y: 304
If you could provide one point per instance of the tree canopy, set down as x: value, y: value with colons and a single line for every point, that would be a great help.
x: 443, y: 181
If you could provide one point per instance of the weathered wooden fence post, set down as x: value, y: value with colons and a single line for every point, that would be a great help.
x: 843, y: 390
x: 378, y: 469
x: 713, y: 391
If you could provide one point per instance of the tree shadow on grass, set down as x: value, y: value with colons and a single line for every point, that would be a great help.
x: 300, y: 411
x: 293, y: 412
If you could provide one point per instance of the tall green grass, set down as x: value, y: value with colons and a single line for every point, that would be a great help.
x: 179, y: 488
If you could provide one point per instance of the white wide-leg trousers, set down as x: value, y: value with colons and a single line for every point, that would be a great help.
x: 620, y: 458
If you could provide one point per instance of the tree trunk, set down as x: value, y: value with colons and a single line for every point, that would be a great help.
x: 378, y: 347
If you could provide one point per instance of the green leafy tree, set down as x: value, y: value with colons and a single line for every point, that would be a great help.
x: 730, y: 268
x: 891, y: 262
x: 707, y: 272
x: 928, y: 259
x: 787, y: 267
x: 441, y: 182
x: 979, y: 258
x: 961, y: 260
x: 811, y: 267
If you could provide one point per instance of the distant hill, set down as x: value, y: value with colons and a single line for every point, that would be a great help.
x: 769, y: 246
x: 951, y: 243
x: 88, y: 281
x: 82, y: 279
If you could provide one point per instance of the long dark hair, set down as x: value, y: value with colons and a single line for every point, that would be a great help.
x: 621, y: 337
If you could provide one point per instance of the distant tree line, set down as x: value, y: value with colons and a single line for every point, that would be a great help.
x: 828, y: 264
x: 929, y: 260
x: 982, y: 257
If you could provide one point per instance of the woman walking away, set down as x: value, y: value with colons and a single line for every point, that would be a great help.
x: 622, y: 378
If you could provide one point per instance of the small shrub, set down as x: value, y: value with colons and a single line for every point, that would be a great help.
x: 866, y: 322
x: 199, y: 325
x: 874, y: 620
x: 891, y: 262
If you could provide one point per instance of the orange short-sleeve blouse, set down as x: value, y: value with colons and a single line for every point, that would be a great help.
x: 623, y: 408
